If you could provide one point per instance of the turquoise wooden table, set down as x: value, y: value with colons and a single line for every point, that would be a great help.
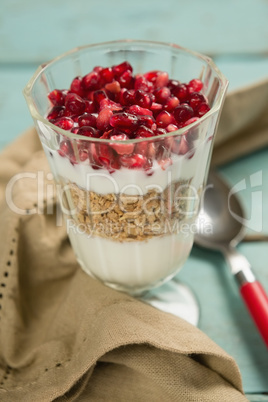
x: 235, y: 34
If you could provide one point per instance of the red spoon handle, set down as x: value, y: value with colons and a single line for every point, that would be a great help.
x: 256, y: 301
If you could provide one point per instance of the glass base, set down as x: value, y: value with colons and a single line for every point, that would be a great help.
x: 175, y: 298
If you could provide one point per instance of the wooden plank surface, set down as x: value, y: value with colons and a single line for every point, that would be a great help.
x: 31, y: 31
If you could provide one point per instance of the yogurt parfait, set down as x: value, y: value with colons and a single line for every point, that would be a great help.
x: 129, y: 142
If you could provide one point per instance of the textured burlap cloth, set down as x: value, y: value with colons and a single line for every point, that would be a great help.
x: 63, y: 335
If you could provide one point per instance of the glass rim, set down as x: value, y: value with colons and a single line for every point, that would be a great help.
x: 29, y: 86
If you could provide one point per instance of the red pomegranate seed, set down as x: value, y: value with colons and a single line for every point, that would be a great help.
x: 56, y: 97
x: 55, y: 112
x: 74, y: 130
x: 164, y: 119
x: 181, y: 92
x: 66, y: 123
x: 88, y: 131
x: 195, y: 85
x: 126, y: 97
x: 147, y: 121
x: 74, y: 104
x: 87, y: 119
x: 107, y: 134
x: 77, y: 87
x: 195, y: 99
x: 172, y: 84
x: 143, y: 84
x: 145, y: 148
x: 160, y: 131
x: 143, y: 99
x: 109, y: 104
x: 151, y: 75
x: 83, y: 154
x: 139, y: 111
x: 124, y: 121
x: 136, y: 161
x: 171, y: 127
x: 122, y: 149
x: 144, y: 132
x: 121, y: 68
x: 126, y: 80
x: 90, y: 107
x: 182, y: 113
x: 98, y: 96
x: 103, y: 119
x: 202, y: 109
x: 171, y: 103
x: 162, y: 79
x: 66, y: 148
x: 184, y: 147
x: 114, y: 87
x: 93, y: 157
x: 190, y: 121
x: 106, y: 75
x: 98, y: 69
x: 91, y: 81
x: 156, y: 108
x: 162, y: 94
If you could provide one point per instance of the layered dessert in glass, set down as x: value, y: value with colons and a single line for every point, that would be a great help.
x: 128, y: 129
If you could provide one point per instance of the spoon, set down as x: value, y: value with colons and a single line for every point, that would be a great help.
x: 218, y: 229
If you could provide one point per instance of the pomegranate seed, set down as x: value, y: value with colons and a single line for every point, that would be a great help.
x: 106, y: 75
x: 151, y: 75
x: 143, y: 84
x: 56, y: 97
x: 196, y: 99
x: 164, y: 119
x: 83, y: 154
x: 88, y: 131
x: 126, y: 97
x: 91, y: 81
x: 74, y: 104
x: 147, y: 121
x: 139, y: 111
x: 122, y: 149
x: 55, y: 112
x: 156, y: 108
x: 90, y: 107
x: 121, y: 68
x: 163, y: 157
x: 172, y: 84
x: 182, y: 113
x: 202, y: 109
x: 93, y: 157
x: 181, y: 92
x: 74, y: 130
x: 190, y: 121
x: 66, y: 123
x: 103, y: 119
x: 107, y: 134
x: 143, y: 99
x: 184, y: 147
x: 87, y: 119
x: 162, y: 94
x: 160, y: 131
x: 195, y: 85
x: 144, y: 131
x: 124, y: 121
x: 171, y: 127
x: 145, y: 148
x: 162, y: 79
x: 107, y: 158
x: 77, y: 87
x: 171, y: 103
x: 109, y: 104
x: 126, y: 80
x: 66, y: 148
x: 98, y: 96
x: 98, y: 69
x: 113, y: 87
x: 136, y: 161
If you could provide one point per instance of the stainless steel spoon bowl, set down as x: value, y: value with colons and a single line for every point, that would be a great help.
x: 219, y: 229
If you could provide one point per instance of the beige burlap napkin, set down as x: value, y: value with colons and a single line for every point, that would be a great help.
x: 243, y: 126
x: 64, y: 336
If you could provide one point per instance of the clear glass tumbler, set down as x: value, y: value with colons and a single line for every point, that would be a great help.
x: 130, y: 223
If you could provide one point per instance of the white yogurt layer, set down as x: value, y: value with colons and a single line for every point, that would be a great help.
x: 131, y: 265
x: 131, y: 181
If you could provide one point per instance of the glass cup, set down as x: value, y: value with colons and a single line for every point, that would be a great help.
x: 130, y: 206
